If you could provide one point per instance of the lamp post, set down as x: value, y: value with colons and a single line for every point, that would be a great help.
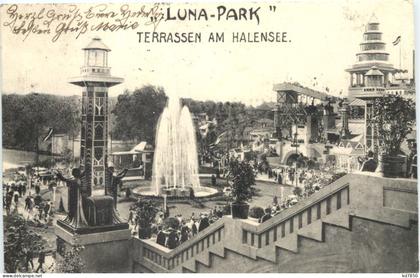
x: 296, y: 145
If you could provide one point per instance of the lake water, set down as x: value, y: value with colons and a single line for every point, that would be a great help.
x: 15, y: 158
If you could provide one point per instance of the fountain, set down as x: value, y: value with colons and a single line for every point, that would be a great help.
x: 175, y: 163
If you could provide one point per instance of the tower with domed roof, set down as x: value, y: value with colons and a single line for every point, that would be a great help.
x: 372, y: 56
x: 370, y: 76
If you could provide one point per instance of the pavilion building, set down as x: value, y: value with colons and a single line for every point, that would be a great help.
x: 373, y: 76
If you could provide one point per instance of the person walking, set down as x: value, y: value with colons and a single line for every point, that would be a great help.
x: 204, y: 223
x: 40, y: 212
x: 136, y: 222
x: 266, y: 216
x: 20, y: 189
x: 29, y: 256
x: 130, y: 217
x: 194, y: 229
x: 41, y: 259
x: 37, y: 188
x: 184, y: 234
x: 16, y: 200
x: 370, y: 164
x: 47, y: 209
x: 213, y: 180
x: 172, y: 239
x: 27, y: 203
x: 279, y: 178
x: 24, y: 189
x: 9, y: 198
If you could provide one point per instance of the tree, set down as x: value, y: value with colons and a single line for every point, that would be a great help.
x: 71, y: 260
x: 27, y: 117
x: 137, y: 113
x: 67, y: 156
x: 394, y: 117
x: 146, y: 211
x: 243, y: 180
x: 18, y: 236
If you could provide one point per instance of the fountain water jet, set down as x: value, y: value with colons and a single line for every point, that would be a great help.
x: 175, y: 162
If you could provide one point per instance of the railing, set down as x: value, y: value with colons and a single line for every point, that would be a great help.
x: 95, y: 70
x: 391, y: 201
x: 169, y: 259
x: 291, y: 220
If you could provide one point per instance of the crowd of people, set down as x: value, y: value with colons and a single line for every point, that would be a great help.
x: 25, y: 199
x: 17, y: 193
x: 311, y: 181
x: 171, y: 231
x: 184, y: 229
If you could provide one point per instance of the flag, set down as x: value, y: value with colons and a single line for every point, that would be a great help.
x: 50, y: 132
x: 397, y: 40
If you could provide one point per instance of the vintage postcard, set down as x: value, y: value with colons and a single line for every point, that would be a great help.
x: 209, y: 137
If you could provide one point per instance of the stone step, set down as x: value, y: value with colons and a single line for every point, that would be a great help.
x: 289, y: 243
x: 204, y: 258
x: 313, y: 231
x: 268, y: 253
x: 190, y: 265
x: 339, y: 218
x: 218, y: 250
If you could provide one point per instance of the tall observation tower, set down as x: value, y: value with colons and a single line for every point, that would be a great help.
x: 370, y: 76
x: 95, y: 79
x: 92, y: 221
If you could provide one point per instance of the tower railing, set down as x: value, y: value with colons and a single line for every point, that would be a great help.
x: 95, y: 70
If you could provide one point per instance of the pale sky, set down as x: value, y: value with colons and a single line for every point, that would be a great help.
x: 325, y: 37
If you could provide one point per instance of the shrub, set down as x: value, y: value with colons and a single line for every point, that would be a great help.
x: 146, y: 211
x: 243, y: 180
x: 71, y: 261
x: 17, y: 236
x: 256, y: 212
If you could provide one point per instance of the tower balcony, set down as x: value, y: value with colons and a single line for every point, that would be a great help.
x: 363, y: 92
x: 91, y: 70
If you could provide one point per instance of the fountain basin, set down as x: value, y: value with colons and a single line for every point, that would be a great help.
x: 179, y: 192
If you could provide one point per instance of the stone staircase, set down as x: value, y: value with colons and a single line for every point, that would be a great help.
x: 269, y: 252
x: 274, y: 241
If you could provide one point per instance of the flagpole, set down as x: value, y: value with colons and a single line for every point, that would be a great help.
x: 400, y: 54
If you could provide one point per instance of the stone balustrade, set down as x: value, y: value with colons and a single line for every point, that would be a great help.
x: 390, y: 202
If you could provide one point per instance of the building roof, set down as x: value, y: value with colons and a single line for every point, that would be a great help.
x: 357, y: 102
x: 373, y: 19
x: 97, y: 43
x: 141, y: 147
x: 261, y: 131
x: 301, y: 90
x: 347, y: 151
x: 356, y: 127
x: 374, y: 72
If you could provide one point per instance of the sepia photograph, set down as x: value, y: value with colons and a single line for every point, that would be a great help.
x: 209, y: 137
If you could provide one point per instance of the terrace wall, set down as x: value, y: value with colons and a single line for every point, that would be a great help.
x: 359, y: 223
